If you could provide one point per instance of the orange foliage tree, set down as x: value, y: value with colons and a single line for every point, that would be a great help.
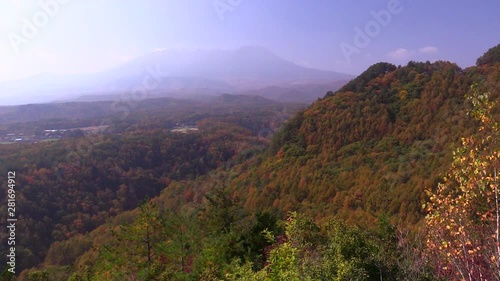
x: 463, y: 220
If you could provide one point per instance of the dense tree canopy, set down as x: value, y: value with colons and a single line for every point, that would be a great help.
x: 337, y: 193
x: 491, y: 56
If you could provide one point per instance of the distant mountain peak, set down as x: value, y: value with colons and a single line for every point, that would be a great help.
x: 253, y: 49
x: 215, y: 71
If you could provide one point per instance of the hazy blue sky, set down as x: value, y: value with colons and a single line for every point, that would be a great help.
x: 91, y: 35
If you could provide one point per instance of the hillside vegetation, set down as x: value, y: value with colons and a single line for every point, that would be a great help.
x: 376, y: 181
x: 372, y: 147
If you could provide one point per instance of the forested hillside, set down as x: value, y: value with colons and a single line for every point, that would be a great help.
x: 371, y: 148
x: 71, y: 186
x: 340, y: 193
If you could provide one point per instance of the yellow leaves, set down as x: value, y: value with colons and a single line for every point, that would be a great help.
x: 460, y: 212
x: 444, y: 244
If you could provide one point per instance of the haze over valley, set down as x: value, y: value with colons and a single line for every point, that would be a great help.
x: 181, y: 73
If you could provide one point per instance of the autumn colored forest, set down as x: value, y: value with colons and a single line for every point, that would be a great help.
x: 392, y: 177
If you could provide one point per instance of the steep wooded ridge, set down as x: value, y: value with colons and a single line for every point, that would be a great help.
x: 363, y: 154
x: 372, y: 147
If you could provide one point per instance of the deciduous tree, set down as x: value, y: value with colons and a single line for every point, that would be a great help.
x: 463, y: 218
